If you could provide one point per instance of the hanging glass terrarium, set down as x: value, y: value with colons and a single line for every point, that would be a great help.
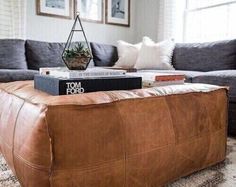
x: 77, y: 55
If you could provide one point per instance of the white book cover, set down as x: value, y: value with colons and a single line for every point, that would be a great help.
x: 88, y: 73
x: 46, y: 70
x: 145, y: 76
x: 147, y: 83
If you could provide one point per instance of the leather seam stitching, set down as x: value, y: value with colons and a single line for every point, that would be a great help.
x: 51, y: 147
x: 13, y: 138
x: 151, y: 96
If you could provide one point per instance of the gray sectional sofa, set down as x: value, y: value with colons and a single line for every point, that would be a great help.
x: 212, y: 63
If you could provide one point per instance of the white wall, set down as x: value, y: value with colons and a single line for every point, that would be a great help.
x: 146, y: 19
x: 57, y: 30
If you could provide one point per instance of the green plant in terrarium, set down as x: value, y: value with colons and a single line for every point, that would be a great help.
x: 77, y: 51
x: 77, y: 57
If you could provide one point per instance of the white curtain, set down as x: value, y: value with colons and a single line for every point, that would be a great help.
x: 12, y: 18
x: 166, y: 19
x: 210, y: 20
x: 171, y: 20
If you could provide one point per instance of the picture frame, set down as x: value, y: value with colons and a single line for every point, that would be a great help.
x: 90, y: 10
x: 118, y: 12
x: 55, y: 8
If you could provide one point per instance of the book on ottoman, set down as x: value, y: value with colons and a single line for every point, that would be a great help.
x: 63, y: 72
x: 152, y: 79
x: 63, y: 86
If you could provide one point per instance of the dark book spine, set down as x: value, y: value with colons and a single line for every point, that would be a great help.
x: 57, y: 86
x: 67, y: 87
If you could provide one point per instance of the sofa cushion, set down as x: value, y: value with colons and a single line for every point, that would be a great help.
x: 44, y: 54
x: 104, y: 55
x: 9, y: 75
x: 12, y: 54
x: 211, y: 56
x: 188, y: 74
x: 155, y: 55
x: 221, y: 78
x: 127, y: 54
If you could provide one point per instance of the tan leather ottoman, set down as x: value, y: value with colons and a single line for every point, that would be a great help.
x: 141, y: 138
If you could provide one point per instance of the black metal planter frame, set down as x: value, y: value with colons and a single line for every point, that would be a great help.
x: 68, y: 43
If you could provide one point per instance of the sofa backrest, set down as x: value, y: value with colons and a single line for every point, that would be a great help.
x: 104, y: 55
x: 18, y: 54
x: 44, y: 54
x: 210, y: 56
x: 12, y: 54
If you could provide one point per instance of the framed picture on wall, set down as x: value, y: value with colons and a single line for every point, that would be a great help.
x: 55, y: 8
x: 118, y: 12
x: 89, y: 10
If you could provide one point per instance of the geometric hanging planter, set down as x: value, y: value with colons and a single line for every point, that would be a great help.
x: 77, y: 55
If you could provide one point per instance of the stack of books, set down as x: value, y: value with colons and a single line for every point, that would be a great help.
x: 61, y: 81
x: 150, y: 79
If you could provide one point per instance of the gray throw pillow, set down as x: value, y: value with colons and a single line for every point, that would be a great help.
x: 44, y: 54
x: 104, y: 55
x: 210, y: 56
x: 12, y: 54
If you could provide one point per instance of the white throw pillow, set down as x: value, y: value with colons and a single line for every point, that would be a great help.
x: 155, y: 55
x: 128, y: 54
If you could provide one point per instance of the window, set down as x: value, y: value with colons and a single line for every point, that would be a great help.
x: 209, y: 20
x: 12, y: 18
